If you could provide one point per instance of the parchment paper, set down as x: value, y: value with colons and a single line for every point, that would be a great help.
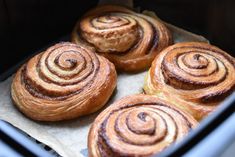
x: 69, y: 138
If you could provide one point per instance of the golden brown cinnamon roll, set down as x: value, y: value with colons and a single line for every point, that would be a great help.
x: 128, y: 39
x: 196, y: 76
x: 64, y: 82
x: 137, y: 125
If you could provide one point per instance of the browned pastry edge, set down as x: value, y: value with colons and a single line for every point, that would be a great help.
x: 38, y: 95
x: 200, y: 89
x: 130, y: 61
x: 112, y: 132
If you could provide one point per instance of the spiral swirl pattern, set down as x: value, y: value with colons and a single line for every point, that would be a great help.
x: 137, y: 125
x: 195, y: 72
x: 129, y: 40
x: 57, y: 81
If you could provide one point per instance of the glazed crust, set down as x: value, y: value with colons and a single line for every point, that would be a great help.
x: 64, y: 82
x: 195, y: 76
x: 128, y: 39
x: 137, y: 125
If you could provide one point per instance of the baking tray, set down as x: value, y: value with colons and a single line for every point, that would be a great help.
x: 194, y: 138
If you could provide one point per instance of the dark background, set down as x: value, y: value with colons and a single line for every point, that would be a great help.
x: 28, y: 25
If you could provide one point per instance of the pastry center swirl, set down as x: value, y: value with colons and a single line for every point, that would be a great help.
x: 141, y: 129
x: 68, y: 60
x: 195, y: 61
x: 193, y: 69
x: 111, y: 32
x: 111, y: 22
x: 141, y: 122
x: 61, y: 71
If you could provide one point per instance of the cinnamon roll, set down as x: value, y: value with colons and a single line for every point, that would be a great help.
x: 195, y: 76
x: 137, y: 125
x: 63, y: 82
x: 128, y: 39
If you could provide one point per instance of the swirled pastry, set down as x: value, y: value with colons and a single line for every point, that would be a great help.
x: 128, y: 39
x: 64, y: 82
x: 137, y: 125
x: 196, y: 76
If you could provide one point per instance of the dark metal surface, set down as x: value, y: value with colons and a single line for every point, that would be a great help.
x: 17, y: 144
